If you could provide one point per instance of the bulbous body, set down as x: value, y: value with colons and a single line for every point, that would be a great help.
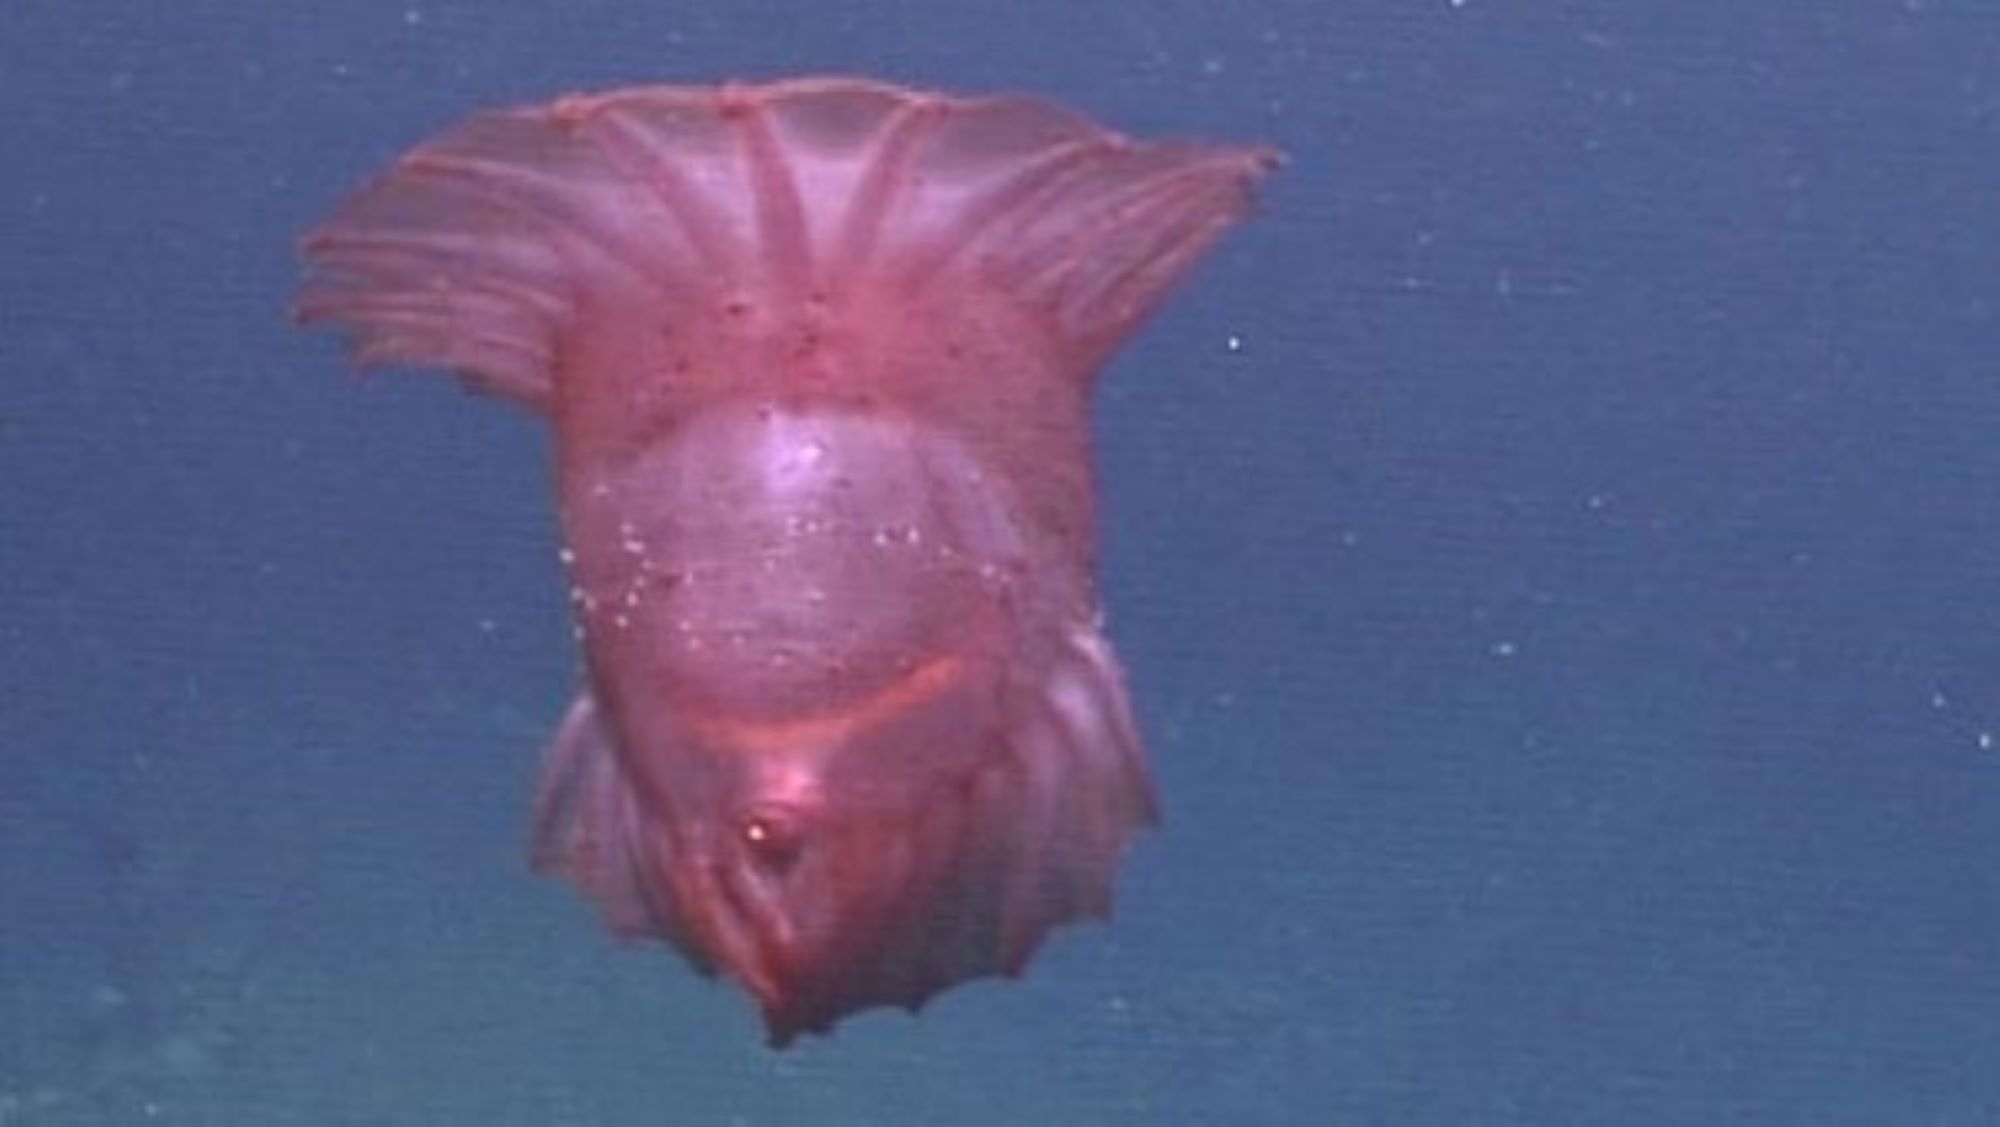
x: 817, y: 356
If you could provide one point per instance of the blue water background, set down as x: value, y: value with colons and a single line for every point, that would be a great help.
x: 1556, y: 545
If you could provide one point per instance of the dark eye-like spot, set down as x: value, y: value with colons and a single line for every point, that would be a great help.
x: 773, y: 836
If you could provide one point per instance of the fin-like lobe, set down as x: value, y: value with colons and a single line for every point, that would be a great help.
x: 482, y: 249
